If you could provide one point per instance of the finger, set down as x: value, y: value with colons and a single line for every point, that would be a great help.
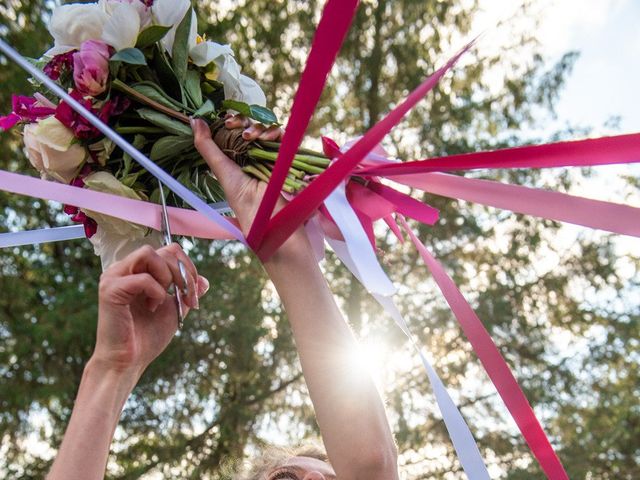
x: 271, y: 134
x: 236, y: 121
x: 125, y: 290
x: 145, y: 260
x: 173, y: 254
x: 228, y: 173
x: 253, y: 131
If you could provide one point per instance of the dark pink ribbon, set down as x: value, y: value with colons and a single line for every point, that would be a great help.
x: 495, y: 365
x: 579, y: 153
x: 332, y: 29
x: 285, y: 222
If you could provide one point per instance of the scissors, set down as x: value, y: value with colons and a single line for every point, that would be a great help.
x: 166, y: 240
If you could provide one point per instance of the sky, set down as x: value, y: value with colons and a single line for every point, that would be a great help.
x: 604, y: 82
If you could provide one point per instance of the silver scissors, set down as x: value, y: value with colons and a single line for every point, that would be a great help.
x: 166, y: 240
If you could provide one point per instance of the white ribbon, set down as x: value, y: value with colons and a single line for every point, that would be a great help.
x: 360, y: 250
x: 461, y: 437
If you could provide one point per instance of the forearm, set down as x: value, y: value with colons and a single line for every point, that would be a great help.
x: 348, y: 407
x: 85, y: 448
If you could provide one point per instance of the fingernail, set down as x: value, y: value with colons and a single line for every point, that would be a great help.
x: 203, y: 285
x: 192, y: 121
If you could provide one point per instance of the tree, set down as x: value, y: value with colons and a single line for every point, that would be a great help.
x: 231, y: 380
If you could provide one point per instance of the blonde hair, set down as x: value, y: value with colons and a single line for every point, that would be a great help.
x: 272, y: 458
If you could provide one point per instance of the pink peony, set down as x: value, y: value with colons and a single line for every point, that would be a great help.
x: 91, y: 67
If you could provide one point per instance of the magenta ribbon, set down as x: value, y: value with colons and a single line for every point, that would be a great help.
x: 332, y: 30
x: 285, y: 222
x: 612, y: 217
x: 495, y: 365
x: 578, y: 153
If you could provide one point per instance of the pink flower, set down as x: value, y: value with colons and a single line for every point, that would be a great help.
x: 81, y: 128
x: 59, y: 65
x: 25, y: 109
x: 91, y: 67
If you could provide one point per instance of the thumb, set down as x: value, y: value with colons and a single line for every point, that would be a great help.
x: 228, y: 173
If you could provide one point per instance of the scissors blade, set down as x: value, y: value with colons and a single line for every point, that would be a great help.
x: 166, y: 234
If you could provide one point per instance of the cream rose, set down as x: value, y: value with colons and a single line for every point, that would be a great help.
x: 51, y: 149
x: 116, y: 238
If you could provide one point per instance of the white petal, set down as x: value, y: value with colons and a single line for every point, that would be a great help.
x: 251, y: 92
x: 123, y: 28
x: 204, y: 53
x: 170, y: 13
x: 72, y: 24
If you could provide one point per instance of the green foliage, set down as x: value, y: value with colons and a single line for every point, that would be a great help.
x: 132, y: 56
x: 562, y: 315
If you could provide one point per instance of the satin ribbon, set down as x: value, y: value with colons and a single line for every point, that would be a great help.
x: 180, y: 190
x: 577, y: 153
x: 183, y: 222
x: 371, y: 274
x: 494, y: 364
x: 461, y: 437
x: 561, y: 207
x: 43, y: 235
x: 332, y: 29
x: 285, y: 222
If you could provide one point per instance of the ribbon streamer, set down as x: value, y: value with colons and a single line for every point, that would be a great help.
x: 494, y: 364
x: 285, y: 222
x: 461, y: 437
x: 364, y: 258
x: 576, y: 153
x: 332, y: 29
x: 611, y: 217
x: 183, y: 192
x: 183, y: 222
x: 43, y: 235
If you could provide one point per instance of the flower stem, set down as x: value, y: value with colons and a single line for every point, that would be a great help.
x: 139, y: 97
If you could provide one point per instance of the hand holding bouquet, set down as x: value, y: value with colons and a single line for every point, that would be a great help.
x: 141, y: 67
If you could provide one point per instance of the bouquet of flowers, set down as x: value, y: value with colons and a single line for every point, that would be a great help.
x: 141, y: 67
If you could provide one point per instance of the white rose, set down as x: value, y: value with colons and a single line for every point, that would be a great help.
x: 123, y: 26
x: 144, y: 12
x: 116, y: 238
x: 52, y: 150
x: 107, y: 183
x: 73, y: 24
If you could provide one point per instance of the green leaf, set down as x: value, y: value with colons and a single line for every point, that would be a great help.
x: 180, y: 53
x: 132, y: 56
x: 172, y: 126
x: 151, y: 35
x: 166, y: 75
x: 192, y: 87
x: 155, y: 93
x: 207, y: 108
x: 261, y: 114
x: 139, y: 141
x: 170, y: 147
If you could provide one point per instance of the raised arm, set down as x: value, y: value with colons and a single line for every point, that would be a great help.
x: 136, y: 321
x: 349, y: 410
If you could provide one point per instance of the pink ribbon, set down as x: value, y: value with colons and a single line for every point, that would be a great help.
x: 495, y: 365
x: 332, y: 29
x: 561, y: 207
x: 580, y: 153
x: 285, y: 222
x: 183, y: 222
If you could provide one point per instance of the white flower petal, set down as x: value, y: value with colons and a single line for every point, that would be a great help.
x: 123, y: 27
x: 170, y: 13
x: 251, y: 92
x: 72, y: 24
x: 204, y: 53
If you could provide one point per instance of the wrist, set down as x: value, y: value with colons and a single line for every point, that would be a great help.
x: 124, y: 378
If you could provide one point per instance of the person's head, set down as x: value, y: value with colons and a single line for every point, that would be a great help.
x: 304, y: 463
